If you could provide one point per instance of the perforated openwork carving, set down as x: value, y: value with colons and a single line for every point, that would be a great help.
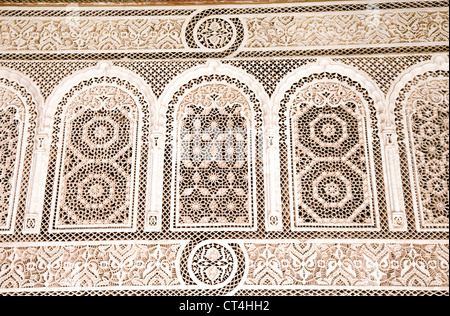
x: 17, y: 130
x: 341, y: 264
x: 212, y: 264
x: 12, y: 119
x: 98, y: 158
x: 214, y: 186
x: 330, y: 155
x: 423, y: 105
x: 245, y: 149
x: 214, y: 33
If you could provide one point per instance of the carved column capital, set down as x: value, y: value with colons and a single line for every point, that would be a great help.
x: 42, y: 143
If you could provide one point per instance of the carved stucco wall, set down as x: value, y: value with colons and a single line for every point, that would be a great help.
x: 281, y: 149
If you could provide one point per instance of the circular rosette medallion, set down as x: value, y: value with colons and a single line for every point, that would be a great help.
x: 329, y: 130
x: 214, y: 33
x: 212, y: 264
x: 101, y: 134
x: 335, y: 192
x: 97, y: 196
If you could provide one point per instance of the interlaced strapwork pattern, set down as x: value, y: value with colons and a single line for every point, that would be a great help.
x: 331, y: 172
x: 212, y: 264
x: 158, y: 73
x: 329, y: 187
x: 424, y: 105
x: 214, y: 168
x: 383, y: 69
x: 214, y: 33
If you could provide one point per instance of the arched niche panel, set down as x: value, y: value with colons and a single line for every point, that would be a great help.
x: 98, y: 166
x: 18, y: 117
x: 421, y: 115
x: 331, y: 153
x: 214, y: 155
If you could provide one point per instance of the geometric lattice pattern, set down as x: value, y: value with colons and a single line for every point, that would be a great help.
x: 329, y: 155
x: 98, y: 157
x: 426, y: 108
x: 214, y: 159
x: 246, y: 149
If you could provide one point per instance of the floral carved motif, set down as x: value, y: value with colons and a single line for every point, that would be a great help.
x: 215, y: 33
x: 212, y: 264
x: 79, y: 266
x: 347, y: 29
x: 348, y: 264
x: 108, y: 33
x: 88, y: 34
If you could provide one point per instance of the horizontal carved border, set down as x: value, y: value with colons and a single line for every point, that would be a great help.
x: 244, y: 30
x: 150, y: 7
x: 318, y: 266
x: 347, y: 265
x: 88, y: 265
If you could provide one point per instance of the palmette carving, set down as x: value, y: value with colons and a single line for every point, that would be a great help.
x: 348, y: 264
x: 88, y: 34
x: 78, y: 266
x: 347, y: 29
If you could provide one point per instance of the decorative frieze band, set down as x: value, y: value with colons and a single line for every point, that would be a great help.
x: 371, y: 27
x: 276, y: 265
x: 82, y: 266
x: 348, y: 264
x: 76, y: 34
x: 223, y: 31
